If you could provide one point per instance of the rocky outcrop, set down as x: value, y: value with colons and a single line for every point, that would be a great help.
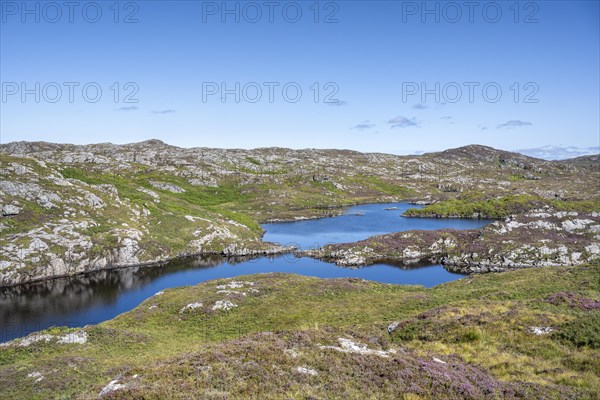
x: 169, y: 187
x: 55, y: 224
x: 10, y: 210
x: 404, y: 247
x: 68, y: 209
x: 540, y: 238
x: 536, y: 239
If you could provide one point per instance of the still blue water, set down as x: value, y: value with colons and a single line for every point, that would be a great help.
x: 357, y: 223
x: 97, y: 297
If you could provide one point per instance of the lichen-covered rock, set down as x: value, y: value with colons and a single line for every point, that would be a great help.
x: 167, y: 186
x: 10, y: 210
x: 531, y: 240
x: 223, y: 305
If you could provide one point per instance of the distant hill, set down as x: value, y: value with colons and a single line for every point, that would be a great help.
x: 74, y: 208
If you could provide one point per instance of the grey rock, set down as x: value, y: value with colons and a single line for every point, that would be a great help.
x: 9, y: 210
x: 167, y: 186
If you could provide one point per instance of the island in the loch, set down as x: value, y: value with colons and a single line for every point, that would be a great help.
x: 531, y: 331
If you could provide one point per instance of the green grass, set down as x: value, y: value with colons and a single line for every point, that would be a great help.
x: 582, y: 331
x: 384, y: 187
x: 481, y: 321
x: 170, y: 232
x: 471, y: 204
x: 91, y: 178
x: 252, y: 160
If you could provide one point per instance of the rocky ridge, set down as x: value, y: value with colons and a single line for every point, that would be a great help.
x: 69, y: 209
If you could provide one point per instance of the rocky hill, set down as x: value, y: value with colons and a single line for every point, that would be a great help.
x: 68, y: 209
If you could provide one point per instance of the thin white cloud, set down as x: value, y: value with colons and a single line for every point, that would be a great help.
x: 514, y: 123
x: 403, y: 122
x: 363, y: 126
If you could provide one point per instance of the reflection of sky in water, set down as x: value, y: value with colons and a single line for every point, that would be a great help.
x: 96, y: 297
x: 358, y: 223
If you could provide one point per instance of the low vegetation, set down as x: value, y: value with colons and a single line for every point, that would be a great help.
x: 277, y: 336
x: 478, y: 205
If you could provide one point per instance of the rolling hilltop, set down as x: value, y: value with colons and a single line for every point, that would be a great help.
x: 69, y: 209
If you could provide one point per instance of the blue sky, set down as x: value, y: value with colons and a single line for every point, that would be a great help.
x: 375, y: 58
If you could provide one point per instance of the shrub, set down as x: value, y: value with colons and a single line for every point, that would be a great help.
x: 470, y: 335
x: 582, y: 331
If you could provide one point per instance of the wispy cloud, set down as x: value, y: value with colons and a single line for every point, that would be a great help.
x: 338, y: 103
x: 131, y: 108
x: 514, y: 123
x: 403, y: 122
x: 446, y: 117
x: 482, y: 127
x: 363, y: 126
x: 163, y: 112
x: 420, y: 106
x: 559, y: 152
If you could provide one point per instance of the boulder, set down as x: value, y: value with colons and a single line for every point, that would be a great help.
x: 9, y: 210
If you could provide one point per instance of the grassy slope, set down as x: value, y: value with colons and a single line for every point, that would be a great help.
x: 477, y: 205
x: 478, y: 325
x: 196, y: 200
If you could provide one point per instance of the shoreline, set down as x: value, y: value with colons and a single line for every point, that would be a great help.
x: 148, y: 264
x: 159, y: 263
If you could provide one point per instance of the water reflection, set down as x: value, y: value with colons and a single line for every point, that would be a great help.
x: 99, y: 296
x: 358, y: 223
